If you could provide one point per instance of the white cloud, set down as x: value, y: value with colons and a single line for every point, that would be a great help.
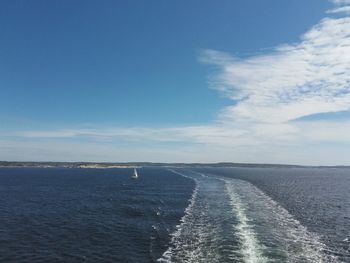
x: 52, y: 150
x: 294, y: 80
x: 343, y: 9
x: 202, y: 134
x: 340, y: 2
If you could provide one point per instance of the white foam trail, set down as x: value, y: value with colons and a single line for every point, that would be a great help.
x: 230, y: 220
x: 167, y: 255
x: 201, y: 235
x: 296, y: 242
x: 250, y: 249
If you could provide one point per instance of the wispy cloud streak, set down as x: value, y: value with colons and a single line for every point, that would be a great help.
x: 341, y: 2
x: 293, y: 81
x: 343, y: 9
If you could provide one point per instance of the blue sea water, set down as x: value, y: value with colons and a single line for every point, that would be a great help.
x: 180, y: 215
x: 88, y: 215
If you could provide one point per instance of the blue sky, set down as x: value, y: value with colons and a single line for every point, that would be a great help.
x: 203, y: 81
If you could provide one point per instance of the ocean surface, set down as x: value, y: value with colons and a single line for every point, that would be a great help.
x: 175, y: 215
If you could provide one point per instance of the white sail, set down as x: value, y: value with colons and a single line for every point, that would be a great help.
x: 135, y: 175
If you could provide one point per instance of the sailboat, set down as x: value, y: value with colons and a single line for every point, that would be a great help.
x: 135, y: 175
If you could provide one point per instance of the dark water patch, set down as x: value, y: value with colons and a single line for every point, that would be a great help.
x: 88, y: 215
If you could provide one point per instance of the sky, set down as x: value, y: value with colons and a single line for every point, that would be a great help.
x: 175, y: 81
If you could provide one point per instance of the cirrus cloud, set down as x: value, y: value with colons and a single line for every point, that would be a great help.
x: 292, y: 81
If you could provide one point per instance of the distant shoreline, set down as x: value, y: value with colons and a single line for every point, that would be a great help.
x: 63, y: 165
x: 96, y: 165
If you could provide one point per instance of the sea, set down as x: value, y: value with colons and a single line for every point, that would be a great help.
x: 276, y: 214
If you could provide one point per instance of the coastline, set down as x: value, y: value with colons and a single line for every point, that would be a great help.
x: 124, y: 165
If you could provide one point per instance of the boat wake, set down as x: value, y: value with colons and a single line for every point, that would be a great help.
x: 230, y: 220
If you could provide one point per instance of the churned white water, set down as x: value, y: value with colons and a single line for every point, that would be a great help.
x: 230, y: 220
